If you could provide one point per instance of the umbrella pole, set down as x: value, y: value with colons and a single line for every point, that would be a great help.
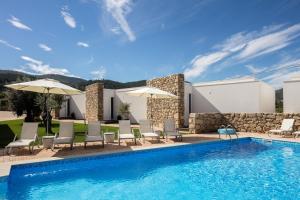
x: 47, y: 112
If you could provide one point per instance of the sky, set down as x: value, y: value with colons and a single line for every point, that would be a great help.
x: 128, y: 40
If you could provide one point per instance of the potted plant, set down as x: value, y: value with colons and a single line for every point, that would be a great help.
x: 124, y: 110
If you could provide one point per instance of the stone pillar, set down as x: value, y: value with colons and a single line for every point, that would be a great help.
x: 167, y: 108
x: 94, y: 102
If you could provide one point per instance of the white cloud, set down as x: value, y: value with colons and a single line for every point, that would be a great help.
x: 243, y: 46
x: 69, y: 19
x: 91, y: 60
x: 277, y: 79
x: 10, y: 45
x: 255, y: 70
x: 270, y: 42
x: 99, y: 74
x: 83, y: 44
x: 38, y: 67
x: 200, y: 63
x: 45, y: 47
x: 119, y: 9
x: 116, y: 30
x: 18, y: 24
x: 282, y: 72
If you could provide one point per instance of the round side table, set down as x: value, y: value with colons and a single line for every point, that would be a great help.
x: 48, y: 141
x: 109, y: 137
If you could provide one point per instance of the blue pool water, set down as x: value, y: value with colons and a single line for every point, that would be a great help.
x: 239, y: 169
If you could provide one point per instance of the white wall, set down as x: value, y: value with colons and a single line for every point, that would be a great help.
x: 188, y: 89
x: 267, y: 98
x: 291, y: 96
x: 138, y: 105
x: 231, y: 97
x: 77, y: 105
x: 107, y: 95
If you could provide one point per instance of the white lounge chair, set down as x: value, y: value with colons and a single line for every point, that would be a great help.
x: 94, y: 133
x: 286, y: 128
x: 65, y: 135
x: 125, y: 131
x: 27, y: 138
x: 146, y: 130
x: 171, y: 130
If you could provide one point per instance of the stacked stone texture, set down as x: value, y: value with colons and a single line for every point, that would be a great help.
x: 243, y: 122
x: 94, y: 102
x: 167, y: 108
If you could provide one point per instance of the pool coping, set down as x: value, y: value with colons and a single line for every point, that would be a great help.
x: 5, y: 168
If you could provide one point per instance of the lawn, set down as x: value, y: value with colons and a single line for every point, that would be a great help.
x: 8, y: 129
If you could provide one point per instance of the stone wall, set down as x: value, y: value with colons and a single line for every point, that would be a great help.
x: 243, y: 122
x: 94, y: 102
x: 167, y: 108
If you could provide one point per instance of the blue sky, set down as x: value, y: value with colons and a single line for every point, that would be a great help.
x: 129, y: 40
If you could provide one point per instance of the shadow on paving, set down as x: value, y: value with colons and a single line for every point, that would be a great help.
x: 6, y: 135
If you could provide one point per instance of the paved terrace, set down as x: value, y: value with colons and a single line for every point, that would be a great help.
x: 22, y: 156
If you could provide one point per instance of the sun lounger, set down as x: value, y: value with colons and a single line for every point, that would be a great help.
x: 27, y: 138
x: 171, y: 130
x: 65, y: 135
x: 94, y: 133
x: 147, y: 131
x: 285, y: 129
x: 125, y: 131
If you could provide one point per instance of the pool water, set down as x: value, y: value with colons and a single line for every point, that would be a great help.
x: 239, y: 169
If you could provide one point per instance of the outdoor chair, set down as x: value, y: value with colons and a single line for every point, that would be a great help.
x: 94, y: 133
x: 125, y: 131
x: 285, y: 129
x: 28, y: 137
x: 171, y: 130
x: 65, y: 135
x: 147, y: 131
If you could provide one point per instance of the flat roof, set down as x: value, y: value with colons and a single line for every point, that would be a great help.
x: 227, y: 81
x: 293, y: 79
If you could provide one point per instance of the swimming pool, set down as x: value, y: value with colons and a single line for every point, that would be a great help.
x: 245, y: 168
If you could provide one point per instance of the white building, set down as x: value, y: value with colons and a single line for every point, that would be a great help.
x: 236, y: 95
x: 246, y: 95
x: 112, y: 99
x: 291, y: 95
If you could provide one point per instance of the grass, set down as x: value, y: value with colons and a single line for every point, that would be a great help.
x: 8, y: 129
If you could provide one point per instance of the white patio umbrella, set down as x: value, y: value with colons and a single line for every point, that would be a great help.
x: 151, y: 92
x: 46, y: 86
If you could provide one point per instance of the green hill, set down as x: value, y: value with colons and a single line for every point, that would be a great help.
x: 10, y: 76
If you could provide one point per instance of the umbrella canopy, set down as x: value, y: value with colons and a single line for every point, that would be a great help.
x: 45, y: 86
x: 151, y: 92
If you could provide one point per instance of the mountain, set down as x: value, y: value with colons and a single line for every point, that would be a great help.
x: 10, y: 76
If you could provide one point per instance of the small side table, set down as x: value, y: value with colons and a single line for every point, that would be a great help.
x: 48, y: 141
x: 109, y: 137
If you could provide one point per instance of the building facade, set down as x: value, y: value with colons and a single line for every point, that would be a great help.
x: 291, y: 95
x: 239, y: 95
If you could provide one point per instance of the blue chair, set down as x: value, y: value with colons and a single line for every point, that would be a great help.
x: 227, y: 130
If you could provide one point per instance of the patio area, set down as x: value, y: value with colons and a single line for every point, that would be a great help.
x: 62, y: 152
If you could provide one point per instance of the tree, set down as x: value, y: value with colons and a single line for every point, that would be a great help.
x: 124, y: 110
x: 21, y: 102
x: 54, y: 102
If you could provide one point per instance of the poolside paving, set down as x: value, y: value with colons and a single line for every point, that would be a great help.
x: 21, y: 156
